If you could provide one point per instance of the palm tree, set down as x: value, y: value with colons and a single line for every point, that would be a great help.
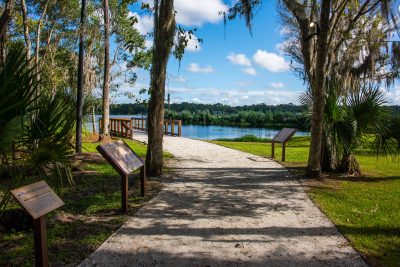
x: 332, y: 25
x: 38, y: 128
x: 350, y: 121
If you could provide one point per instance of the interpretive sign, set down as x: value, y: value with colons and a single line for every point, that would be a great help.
x: 37, y: 199
x: 282, y: 137
x: 124, y: 160
x: 121, y: 156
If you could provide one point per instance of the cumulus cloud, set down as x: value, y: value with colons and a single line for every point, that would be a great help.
x: 239, y: 59
x: 234, y: 97
x: 270, y: 61
x: 243, y: 83
x: 250, y: 71
x: 193, y: 44
x: 178, y: 79
x: 144, y: 24
x: 196, y: 13
x: 196, y: 68
x: 392, y: 95
x: 148, y: 43
x: 277, y: 85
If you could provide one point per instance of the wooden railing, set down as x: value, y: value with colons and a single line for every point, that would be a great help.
x: 169, y: 127
x: 119, y: 127
x: 124, y: 127
x: 139, y: 124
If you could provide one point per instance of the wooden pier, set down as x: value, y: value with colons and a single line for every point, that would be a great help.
x: 124, y: 127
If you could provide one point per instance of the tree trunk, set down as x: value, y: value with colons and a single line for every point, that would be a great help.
x: 38, y: 34
x: 106, y: 82
x: 318, y: 93
x: 329, y: 160
x: 79, y: 93
x: 4, y: 20
x: 164, y: 31
x: 94, y: 120
x: 26, y: 30
x: 6, y: 17
x: 350, y: 165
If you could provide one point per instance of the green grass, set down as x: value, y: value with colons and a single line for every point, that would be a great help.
x: 90, y: 215
x: 365, y: 209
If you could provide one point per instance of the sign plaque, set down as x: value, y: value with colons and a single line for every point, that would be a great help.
x: 282, y: 137
x: 124, y: 160
x: 38, y: 199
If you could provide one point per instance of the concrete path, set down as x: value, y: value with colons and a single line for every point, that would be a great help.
x: 226, y: 208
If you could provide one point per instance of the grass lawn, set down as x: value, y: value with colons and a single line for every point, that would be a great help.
x: 90, y: 215
x: 365, y: 209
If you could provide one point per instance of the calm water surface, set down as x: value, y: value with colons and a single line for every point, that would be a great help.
x: 210, y: 132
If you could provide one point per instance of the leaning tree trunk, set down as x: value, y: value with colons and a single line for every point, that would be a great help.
x: 318, y: 94
x: 106, y: 82
x: 164, y: 31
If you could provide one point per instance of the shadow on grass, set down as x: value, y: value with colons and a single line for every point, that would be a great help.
x: 364, y: 179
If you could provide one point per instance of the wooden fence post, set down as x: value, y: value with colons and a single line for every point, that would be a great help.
x: 124, y: 195
x: 131, y: 128
x: 172, y: 128
x: 283, y: 151
x: 179, y: 128
x: 143, y: 180
x: 40, y: 242
x: 273, y: 150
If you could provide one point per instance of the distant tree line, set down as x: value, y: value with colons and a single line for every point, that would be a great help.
x: 289, y: 115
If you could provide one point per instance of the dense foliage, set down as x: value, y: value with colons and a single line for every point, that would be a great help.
x: 35, y: 130
x: 218, y: 114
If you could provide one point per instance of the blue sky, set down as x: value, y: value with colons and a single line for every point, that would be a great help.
x: 231, y: 66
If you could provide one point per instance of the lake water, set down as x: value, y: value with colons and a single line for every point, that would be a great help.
x: 211, y: 132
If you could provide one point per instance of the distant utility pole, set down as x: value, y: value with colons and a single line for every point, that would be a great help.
x: 79, y: 93
x: 169, y: 102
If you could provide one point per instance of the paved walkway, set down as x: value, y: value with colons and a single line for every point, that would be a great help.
x: 226, y: 208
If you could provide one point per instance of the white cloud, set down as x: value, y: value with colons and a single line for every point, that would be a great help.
x: 193, y: 44
x: 234, y: 97
x: 178, y: 79
x: 239, y: 59
x: 196, y: 68
x: 250, y: 71
x: 196, y: 13
x: 270, y: 61
x: 277, y: 85
x: 392, y: 95
x: 243, y: 83
x: 145, y: 23
x: 148, y: 43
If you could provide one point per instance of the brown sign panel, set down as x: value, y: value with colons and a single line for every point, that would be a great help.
x: 120, y: 156
x: 37, y: 199
x: 284, y: 135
